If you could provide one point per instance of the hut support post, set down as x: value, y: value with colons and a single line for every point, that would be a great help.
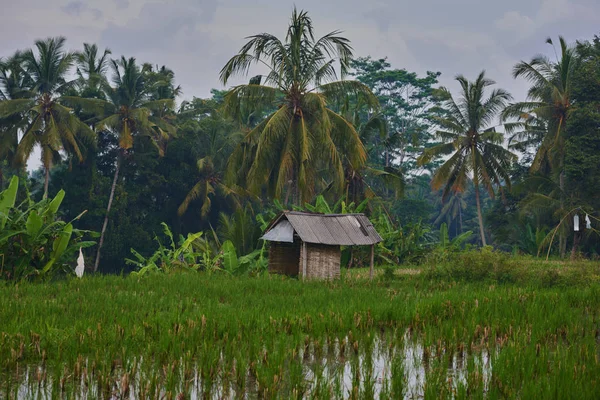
x: 372, y: 261
x: 304, y: 256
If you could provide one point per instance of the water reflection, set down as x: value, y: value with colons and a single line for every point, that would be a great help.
x: 379, y: 367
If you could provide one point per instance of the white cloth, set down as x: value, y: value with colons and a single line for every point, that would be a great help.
x: 80, y: 265
x: 576, y: 223
x: 588, y: 223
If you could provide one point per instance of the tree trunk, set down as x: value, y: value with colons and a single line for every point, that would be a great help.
x: 46, y: 182
x: 371, y: 269
x: 110, y: 200
x: 576, y: 239
x: 460, y: 218
x: 287, y: 195
x: 479, y: 216
x: 351, y: 262
x: 304, y: 261
x: 562, y: 238
x: 297, y: 195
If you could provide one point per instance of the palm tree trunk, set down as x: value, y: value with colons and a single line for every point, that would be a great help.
x: 576, y: 239
x: 46, y: 182
x: 297, y: 196
x: 460, y: 217
x: 479, y: 216
x: 287, y: 195
x: 562, y: 238
x: 110, y: 200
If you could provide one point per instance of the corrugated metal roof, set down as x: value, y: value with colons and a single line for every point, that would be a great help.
x: 281, y: 232
x: 331, y: 229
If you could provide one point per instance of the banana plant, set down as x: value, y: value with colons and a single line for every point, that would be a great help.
x: 34, y: 242
x: 174, y: 256
x: 456, y: 243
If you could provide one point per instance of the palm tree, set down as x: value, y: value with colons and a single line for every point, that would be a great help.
x: 216, y: 145
x: 50, y: 124
x: 357, y: 186
x: 475, y: 148
x: 129, y: 112
x: 91, y: 70
x: 543, y: 118
x: 13, y: 85
x: 452, y: 211
x: 209, y: 185
x: 303, y: 137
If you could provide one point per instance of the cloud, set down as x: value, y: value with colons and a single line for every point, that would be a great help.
x: 77, y: 8
x: 161, y: 26
x: 121, y: 4
x: 516, y: 23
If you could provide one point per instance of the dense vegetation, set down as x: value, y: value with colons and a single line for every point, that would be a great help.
x: 123, y: 146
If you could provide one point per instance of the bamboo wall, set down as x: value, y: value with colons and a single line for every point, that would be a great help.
x: 322, y: 261
x: 284, y: 258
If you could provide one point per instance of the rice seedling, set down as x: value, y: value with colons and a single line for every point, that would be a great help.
x: 192, y: 335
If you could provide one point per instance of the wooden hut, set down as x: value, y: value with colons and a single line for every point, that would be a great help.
x: 308, y: 244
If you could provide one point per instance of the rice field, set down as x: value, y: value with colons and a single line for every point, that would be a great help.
x: 194, y: 335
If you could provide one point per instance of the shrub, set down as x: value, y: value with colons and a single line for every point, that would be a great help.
x: 473, y: 266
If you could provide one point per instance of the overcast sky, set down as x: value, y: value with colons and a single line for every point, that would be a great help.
x: 196, y: 37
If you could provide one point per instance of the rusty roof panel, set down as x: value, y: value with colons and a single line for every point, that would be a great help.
x: 332, y: 229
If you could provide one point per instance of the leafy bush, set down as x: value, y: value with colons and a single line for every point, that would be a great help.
x: 34, y: 242
x: 403, y: 244
x: 169, y: 258
x: 196, y: 253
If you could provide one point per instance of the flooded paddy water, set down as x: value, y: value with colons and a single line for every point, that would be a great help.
x: 211, y: 337
x: 350, y: 368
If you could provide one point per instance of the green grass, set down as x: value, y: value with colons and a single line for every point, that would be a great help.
x: 215, y: 336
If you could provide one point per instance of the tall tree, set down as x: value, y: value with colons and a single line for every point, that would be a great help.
x: 129, y: 112
x: 218, y: 139
x: 452, y: 212
x: 91, y: 70
x: 475, y: 148
x: 51, y: 125
x: 299, y: 145
x: 408, y: 106
x: 13, y: 85
x: 546, y: 113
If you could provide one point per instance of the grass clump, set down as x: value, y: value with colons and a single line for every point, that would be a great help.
x: 496, y: 267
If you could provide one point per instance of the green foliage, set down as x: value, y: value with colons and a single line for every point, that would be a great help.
x: 456, y: 243
x: 169, y: 258
x: 130, y: 106
x: 474, y: 266
x: 41, y: 113
x: 497, y: 267
x: 402, y: 244
x: 34, y: 242
x: 230, y: 259
x: 408, y: 108
x: 340, y: 207
x: 474, y: 149
x: 303, y: 146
